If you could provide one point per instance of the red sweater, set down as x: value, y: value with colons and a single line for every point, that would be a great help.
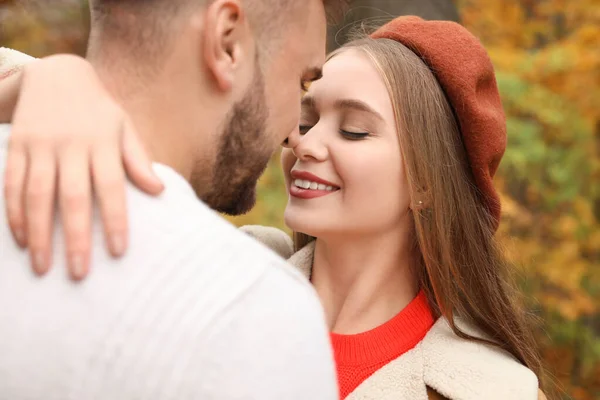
x: 359, y: 356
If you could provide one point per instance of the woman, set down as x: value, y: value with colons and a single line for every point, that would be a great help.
x: 392, y: 201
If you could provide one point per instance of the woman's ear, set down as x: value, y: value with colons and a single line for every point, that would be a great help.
x: 420, y: 200
x: 417, y: 205
x: 225, y: 45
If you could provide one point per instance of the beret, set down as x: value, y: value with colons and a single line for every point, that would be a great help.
x: 466, y: 74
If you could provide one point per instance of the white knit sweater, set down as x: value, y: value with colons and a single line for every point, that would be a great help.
x: 195, y: 310
x: 456, y: 368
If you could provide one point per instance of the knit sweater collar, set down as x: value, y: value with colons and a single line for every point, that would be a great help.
x: 397, y: 335
x: 387, y: 341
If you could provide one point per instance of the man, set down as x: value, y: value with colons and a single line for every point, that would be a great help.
x: 195, y: 309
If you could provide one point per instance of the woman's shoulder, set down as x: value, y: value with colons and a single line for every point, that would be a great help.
x: 459, y: 368
x: 275, y: 239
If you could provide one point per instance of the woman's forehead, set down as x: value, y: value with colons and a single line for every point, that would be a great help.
x: 350, y: 75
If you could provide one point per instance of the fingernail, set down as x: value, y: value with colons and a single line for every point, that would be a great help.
x: 39, y: 261
x: 76, y: 262
x: 116, y: 243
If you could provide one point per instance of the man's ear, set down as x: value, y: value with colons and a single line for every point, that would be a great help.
x: 226, y: 32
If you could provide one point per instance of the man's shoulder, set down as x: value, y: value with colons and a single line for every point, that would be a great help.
x: 186, y: 224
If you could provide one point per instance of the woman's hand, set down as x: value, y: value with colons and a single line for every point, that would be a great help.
x: 69, y: 137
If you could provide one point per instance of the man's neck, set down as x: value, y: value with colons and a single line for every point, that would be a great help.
x: 159, y: 111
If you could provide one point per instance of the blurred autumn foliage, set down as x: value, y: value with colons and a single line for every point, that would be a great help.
x: 547, y: 57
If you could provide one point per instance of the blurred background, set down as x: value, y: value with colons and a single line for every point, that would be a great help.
x: 547, y: 59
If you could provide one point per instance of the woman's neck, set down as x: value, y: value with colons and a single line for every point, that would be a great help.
x: 365, y: 282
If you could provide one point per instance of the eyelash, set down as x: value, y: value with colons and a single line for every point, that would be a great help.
x: 348, y: 135
x: 354, y: 135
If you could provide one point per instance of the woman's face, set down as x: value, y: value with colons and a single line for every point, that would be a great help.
x: 344, y: 170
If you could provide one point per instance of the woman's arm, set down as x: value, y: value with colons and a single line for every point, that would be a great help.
x: 66, y: 130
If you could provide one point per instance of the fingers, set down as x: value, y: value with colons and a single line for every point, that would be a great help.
x: 64, y: 107
x: 109, y: 184
x: 75, y: 201
x: 39, y: 201
x: 14, y: 182
x: 137, y: 163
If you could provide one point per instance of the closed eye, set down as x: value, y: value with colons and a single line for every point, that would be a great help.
x: 354, y: 135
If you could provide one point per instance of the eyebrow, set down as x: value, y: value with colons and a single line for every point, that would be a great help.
x: 352, y: 104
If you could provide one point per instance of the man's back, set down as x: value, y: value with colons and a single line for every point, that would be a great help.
x: 194, y: 310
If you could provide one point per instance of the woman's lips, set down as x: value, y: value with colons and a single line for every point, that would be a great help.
x: 307, y: 176
x: 301, y: 193
x: 305, y: 185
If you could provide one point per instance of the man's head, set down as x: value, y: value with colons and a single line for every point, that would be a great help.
x: 231, y: 75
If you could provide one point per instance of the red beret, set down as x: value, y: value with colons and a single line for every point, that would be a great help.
x: 465, y: 72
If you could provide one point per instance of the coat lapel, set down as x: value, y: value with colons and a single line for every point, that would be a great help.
x: 303, y: 259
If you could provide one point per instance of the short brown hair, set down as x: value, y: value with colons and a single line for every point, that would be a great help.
x: 153, y: 20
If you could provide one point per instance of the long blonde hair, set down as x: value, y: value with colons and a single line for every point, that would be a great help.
x: 459, y: 264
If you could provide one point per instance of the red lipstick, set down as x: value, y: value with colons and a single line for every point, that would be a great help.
x: 302, y: 193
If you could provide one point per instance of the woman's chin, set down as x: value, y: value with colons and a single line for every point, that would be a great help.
x: 299, y: 223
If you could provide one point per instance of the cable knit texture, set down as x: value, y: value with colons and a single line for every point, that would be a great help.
x: 456, y: 368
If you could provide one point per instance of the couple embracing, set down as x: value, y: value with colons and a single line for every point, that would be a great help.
x: 393, y: 286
